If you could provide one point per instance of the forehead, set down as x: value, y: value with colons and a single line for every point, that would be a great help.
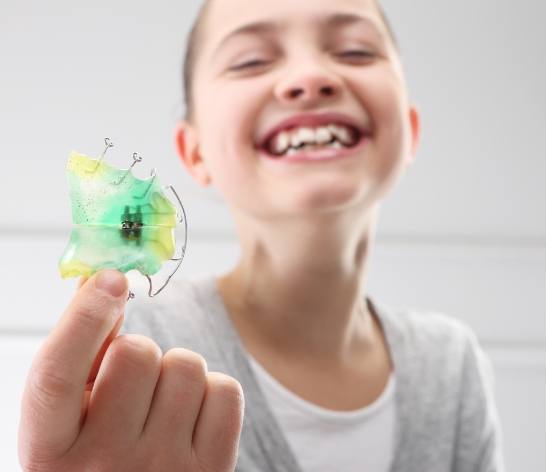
x: 225, y: 16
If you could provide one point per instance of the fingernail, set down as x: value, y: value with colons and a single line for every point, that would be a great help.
x: 112, y: 282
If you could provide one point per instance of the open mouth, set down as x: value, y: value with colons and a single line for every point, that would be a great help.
x: 306, y: 140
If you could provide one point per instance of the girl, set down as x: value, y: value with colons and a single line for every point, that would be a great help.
x: 298, y: 112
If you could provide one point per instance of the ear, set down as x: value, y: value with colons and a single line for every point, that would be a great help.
x: 186, y: 142
x: 415, y: 123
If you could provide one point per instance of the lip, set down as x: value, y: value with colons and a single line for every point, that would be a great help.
x: 327, y: 154
x: 313, y: 119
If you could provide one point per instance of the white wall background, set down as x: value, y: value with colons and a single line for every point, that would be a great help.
x: 463, y: 233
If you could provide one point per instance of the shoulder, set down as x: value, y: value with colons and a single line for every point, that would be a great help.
x: 454, y: 346
x: 440, y: 345
x: 422, y: 334
x: 448, y: 382
x: 452, y: 341
x: 439, y: 353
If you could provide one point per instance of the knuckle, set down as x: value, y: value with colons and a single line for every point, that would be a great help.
x: 135, y: 349
x: 90, y: 314
x: 191, y: 364
x: 226, y: 387
x: 48, y: 388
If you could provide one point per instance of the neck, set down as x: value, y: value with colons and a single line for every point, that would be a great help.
x: 298, y: 287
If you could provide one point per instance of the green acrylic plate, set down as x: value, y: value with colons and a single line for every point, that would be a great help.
x: 120, y: 222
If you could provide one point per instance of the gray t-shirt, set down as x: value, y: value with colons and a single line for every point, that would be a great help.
x: 446, y: 418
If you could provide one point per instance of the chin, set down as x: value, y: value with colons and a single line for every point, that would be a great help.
x: 315, y: 199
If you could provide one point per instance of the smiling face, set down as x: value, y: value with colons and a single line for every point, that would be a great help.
x: 315, y: 63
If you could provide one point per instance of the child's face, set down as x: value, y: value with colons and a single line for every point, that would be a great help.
x: 303, y: 68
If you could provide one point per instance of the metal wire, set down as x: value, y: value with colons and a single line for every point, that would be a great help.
x: 181, y: 218
x: 109, y: 144
x: 153, y: 176
x: 136, y: 160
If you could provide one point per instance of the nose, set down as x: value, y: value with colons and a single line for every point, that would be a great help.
x: 308, y: 88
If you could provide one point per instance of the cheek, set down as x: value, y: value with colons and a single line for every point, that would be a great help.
x: 230, y: 167
x: 234, y: 94
x: 227, y: 114
x: 382, y: 94
x: 393, y: 145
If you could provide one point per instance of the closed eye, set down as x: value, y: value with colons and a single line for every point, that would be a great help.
x: 356, y: 53
x: 258, y: 62
x: 248, y: 64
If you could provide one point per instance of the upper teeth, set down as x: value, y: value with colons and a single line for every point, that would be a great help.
x: 322, y: 135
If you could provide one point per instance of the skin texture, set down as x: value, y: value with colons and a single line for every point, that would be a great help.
x: 306, y: 231
x: 96, y: 401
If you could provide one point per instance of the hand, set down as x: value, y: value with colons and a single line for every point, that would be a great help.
x: 96, y: 401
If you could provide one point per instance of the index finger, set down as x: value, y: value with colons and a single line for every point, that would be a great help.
x: 55, y: 387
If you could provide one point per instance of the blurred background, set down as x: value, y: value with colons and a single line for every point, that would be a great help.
x: 464, y: 232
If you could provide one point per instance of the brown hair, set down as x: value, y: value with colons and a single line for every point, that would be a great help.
x: 194, y: 44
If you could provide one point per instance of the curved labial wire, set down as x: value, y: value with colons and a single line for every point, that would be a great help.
x: 181, y: 219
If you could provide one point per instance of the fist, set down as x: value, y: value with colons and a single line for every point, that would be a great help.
x: 96, y: 401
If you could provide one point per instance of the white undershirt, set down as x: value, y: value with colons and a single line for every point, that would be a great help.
x: 326, y: 440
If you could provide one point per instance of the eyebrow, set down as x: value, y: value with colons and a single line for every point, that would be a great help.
x: 334, y: 20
